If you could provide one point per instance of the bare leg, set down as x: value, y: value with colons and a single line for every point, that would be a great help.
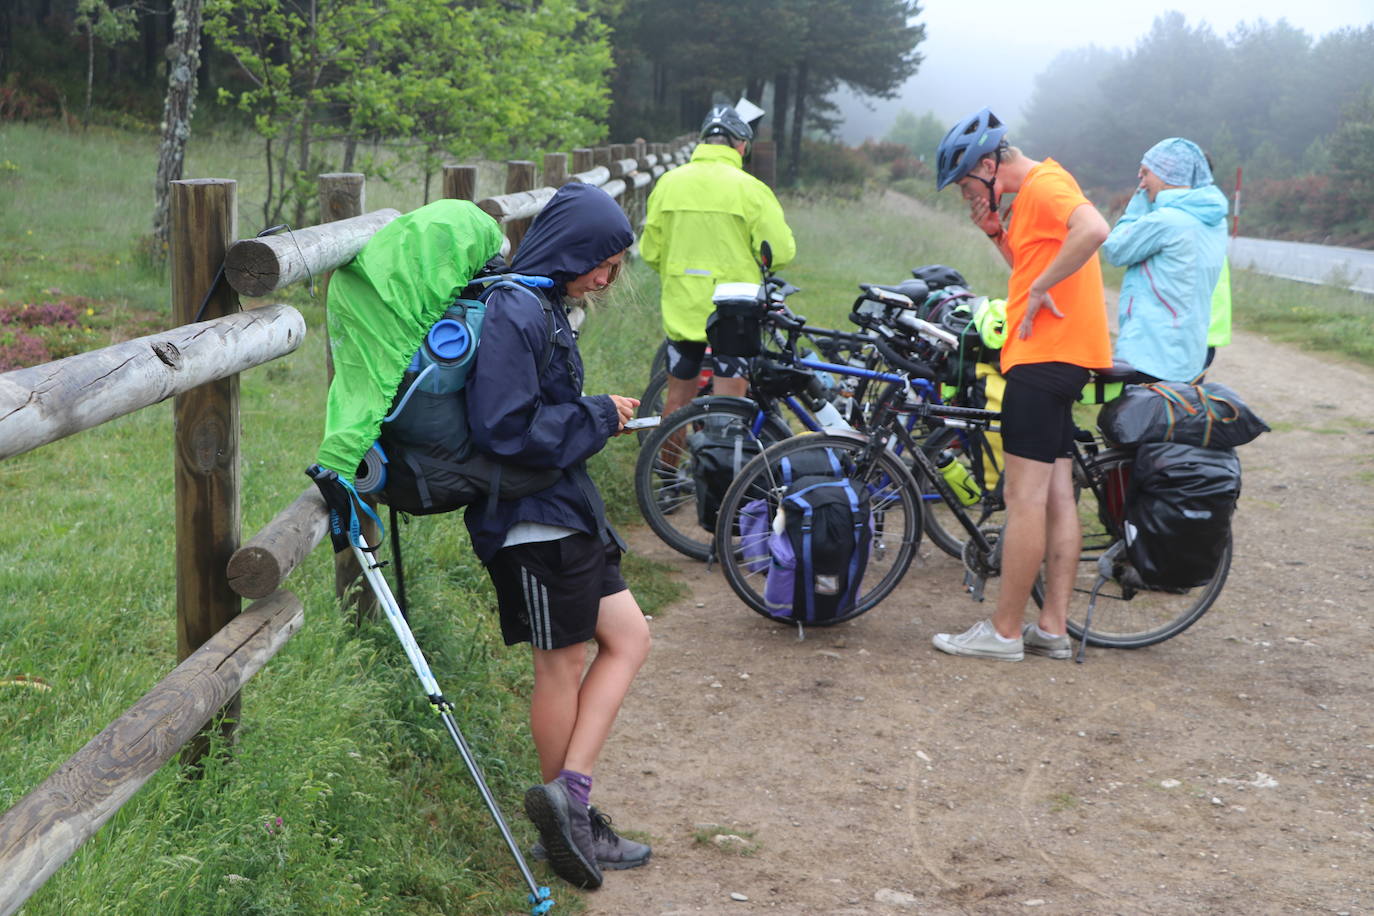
x: 570, y: 714
x: 730, y: 387
x: 680, y: 393
x: 1026, y: 491
x: 1064, y: 543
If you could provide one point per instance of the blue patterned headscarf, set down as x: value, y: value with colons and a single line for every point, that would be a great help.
x: 1178, y: 162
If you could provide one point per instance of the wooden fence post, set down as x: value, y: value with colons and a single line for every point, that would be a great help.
x: 582, y: 160
x: 763, y: 162
x: 341, y: 197
x: 460, y: 182
x: 555, y: 169
x: 519, y: 177
x: 207, y: 473
x: 601, y: 155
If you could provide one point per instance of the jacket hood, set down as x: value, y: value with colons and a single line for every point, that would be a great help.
x: 1206, y: 204
x: 579, y: 227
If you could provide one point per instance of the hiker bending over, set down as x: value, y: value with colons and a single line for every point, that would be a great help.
x: 552, y: 557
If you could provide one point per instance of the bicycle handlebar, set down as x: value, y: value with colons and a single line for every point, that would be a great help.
x: 909, y: 366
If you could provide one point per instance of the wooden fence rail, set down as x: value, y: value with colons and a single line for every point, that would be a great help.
x: 43, y: 830
x: 45, y: 403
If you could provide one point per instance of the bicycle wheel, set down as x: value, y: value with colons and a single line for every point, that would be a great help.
x: 896, y: 518
x: 678, y: 489
x: 651, y: 401
x: 660, y: 360
x: 944, y: 529
x: 1126, y: 616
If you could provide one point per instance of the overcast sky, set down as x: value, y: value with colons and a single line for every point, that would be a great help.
x: 988, y: 52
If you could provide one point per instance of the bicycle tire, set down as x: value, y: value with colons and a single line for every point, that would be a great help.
x: 898, y: 519
x: 663, y: 471
x: 660, y: 361
x: 1126, y: 618
x: 943, y: 528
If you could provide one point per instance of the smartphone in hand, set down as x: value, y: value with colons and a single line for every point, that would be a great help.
x: 643, y: 422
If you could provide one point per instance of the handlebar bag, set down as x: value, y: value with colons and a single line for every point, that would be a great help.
x: 735, y: 328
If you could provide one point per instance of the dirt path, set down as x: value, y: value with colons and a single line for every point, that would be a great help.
x: 1230, y: 770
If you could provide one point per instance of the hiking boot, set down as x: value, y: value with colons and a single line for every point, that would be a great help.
x: 612, y: 850
x: 565, y: 829
x: 979, y: 641
x: 1051, y: 647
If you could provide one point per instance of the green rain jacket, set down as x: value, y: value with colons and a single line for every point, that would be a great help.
x: 704, y: 225
x: 381, y: 305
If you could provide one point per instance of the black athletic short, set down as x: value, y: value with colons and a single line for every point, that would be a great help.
x: 549, y: 592
x: 685, y: 358
x: 1037, y: 410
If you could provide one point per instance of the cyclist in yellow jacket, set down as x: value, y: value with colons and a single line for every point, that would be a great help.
x: 704, y: 225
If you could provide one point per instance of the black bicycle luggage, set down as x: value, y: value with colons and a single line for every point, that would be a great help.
x: 1178, y: 512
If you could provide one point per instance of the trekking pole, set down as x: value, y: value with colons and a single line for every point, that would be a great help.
x: 336, y: 490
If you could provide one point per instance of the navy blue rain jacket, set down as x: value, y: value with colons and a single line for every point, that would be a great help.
x: 524, y: 396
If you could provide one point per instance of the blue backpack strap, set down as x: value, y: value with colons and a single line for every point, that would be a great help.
x: 851, y: 587
x: 527, y: 285
x: 809, y: 584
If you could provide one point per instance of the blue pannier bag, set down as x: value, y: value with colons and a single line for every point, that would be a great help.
x: 817, y: 559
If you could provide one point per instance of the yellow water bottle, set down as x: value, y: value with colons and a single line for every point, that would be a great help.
x: 965, y: 488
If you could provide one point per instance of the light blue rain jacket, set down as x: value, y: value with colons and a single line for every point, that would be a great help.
x: 1173, y: 250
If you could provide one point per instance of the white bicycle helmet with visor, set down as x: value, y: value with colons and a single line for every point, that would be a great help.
x: 725, y: 120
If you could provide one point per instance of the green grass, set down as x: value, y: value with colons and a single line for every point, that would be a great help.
x: 377, y: 814
x: 1320, y: 318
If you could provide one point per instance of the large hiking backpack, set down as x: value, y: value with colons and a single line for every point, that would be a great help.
x: 431, y: 466
x: 1178, y: 512
x: 408, y: 289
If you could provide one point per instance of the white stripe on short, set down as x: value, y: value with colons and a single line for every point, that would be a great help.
x: 537, y: 609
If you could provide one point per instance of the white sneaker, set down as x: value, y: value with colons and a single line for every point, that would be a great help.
x: 980, y: 641
x: 1051, y: 646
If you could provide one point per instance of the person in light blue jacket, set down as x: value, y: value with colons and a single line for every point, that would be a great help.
x: 1172, y: 241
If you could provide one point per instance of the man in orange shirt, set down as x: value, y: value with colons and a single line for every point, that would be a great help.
x: 1057, y: 331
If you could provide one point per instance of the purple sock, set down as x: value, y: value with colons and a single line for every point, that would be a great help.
x: 579, y: 785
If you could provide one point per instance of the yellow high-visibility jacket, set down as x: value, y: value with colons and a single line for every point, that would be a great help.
x: 704, y: 225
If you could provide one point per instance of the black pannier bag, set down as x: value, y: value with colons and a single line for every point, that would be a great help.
x: 735, y: 328
x: 1210, y: 415
x: 722, y: 446
x: 1178, y: 512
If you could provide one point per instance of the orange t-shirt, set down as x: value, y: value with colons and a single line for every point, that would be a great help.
x: 1039, y: 222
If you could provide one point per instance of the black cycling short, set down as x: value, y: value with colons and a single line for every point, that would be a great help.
x: 1037, y: 410
x: 549, y: 592
x: 685, y: 358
